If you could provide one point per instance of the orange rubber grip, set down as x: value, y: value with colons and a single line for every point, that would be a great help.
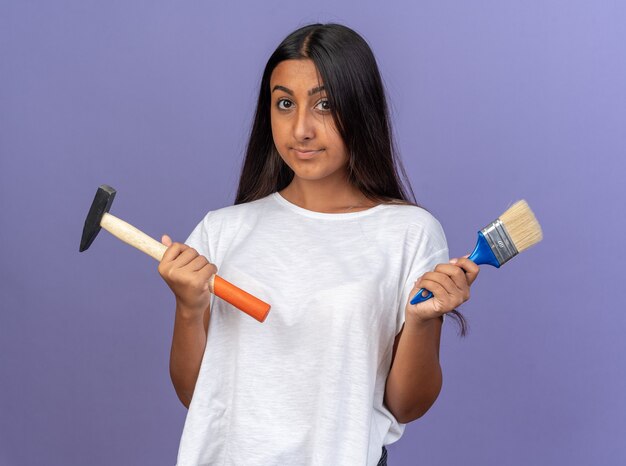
x: 249, y: 304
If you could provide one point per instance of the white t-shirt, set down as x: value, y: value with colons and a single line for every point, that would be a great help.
x: 306, y: 386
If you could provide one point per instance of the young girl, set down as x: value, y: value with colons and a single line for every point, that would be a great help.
x: 322, y: 229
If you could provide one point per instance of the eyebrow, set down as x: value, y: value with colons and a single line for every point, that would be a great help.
x: 315, y: 90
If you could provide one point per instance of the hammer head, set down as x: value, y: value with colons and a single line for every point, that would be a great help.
x: 100, y: 206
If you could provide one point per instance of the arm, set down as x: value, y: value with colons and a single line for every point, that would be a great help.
x: 187, y: 274
x: 415, y: 378
x: 188, y: 343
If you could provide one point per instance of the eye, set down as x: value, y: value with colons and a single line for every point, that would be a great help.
x: 284, y: 104
x: 323, y: 105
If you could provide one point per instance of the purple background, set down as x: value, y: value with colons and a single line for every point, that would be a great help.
x: 492, y: 101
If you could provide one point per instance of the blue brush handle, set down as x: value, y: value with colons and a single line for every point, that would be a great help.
x: 482, y: 254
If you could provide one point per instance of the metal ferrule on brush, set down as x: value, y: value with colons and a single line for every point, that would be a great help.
x: 500, y: 242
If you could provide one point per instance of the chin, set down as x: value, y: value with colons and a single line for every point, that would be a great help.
x: 312, y: 170
x: 315, y: 175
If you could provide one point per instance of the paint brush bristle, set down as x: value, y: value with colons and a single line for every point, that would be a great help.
x: 514, y: 231
x: 522, y: 225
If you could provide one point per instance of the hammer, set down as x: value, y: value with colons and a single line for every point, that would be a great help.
x: 99, y: 217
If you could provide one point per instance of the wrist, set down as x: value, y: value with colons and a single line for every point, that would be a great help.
x: 188, y: 313
x: 421, y: 323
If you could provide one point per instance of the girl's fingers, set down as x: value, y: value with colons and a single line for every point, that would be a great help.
x: 185, y: 257
x: 470, y: 268
x: 442, y: 280
x: 166, y: 240
x: 178, y: 255
x: 173, y: 251
x: 208, y: 271
x: 450, y: 283
x: 200, y: 278
x: 456, y: 274
x: 435, y: 287
x: 197, y: 263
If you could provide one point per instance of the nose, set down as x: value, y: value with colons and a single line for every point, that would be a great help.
x: 304, y: 125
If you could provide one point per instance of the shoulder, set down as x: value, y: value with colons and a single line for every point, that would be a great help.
x: 234, y: 214
x: 411, y: 216
x: 409, y: 228
x: 226, y: 222
x: 411, y: 213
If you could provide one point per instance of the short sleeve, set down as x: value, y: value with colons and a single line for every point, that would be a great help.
x: 431, y: 250
x: 199, y: 238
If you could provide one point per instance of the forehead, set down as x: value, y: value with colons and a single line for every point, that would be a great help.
x: 296, y: 75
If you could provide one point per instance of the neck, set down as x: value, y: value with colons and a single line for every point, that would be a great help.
x: 326, y: 197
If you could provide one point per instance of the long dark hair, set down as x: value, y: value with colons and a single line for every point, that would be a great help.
x: 359, y: 109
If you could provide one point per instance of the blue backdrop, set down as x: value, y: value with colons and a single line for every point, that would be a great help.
x: 492, y: 101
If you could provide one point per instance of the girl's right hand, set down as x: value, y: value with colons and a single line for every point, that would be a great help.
x: 187, y: 274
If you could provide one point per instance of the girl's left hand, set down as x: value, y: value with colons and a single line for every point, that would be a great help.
x: 450, y: 285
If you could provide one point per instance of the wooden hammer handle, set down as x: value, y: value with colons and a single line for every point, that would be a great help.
x: 131, y: 235
x: 249, y: 304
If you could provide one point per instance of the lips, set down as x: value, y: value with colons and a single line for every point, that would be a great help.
x: 305, y: 153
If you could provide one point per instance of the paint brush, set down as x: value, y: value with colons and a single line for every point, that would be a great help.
x: 514, y: 231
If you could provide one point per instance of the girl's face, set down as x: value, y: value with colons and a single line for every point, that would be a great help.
x: 302, y: 125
